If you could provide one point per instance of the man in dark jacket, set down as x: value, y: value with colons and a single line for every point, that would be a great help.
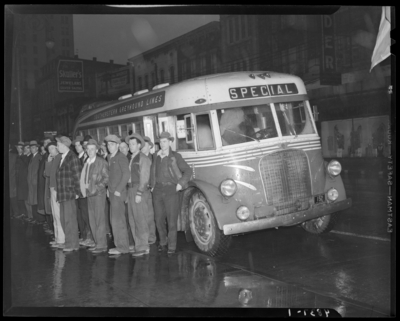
x: 118, y: 178
x: 21, y: 177
x: 12, y: 161
x: 23, y: 187
x: 68, y: 190
x: 41, y: 188
x: 93, y: 182
x: 82, y: 205
x: 33, y: 169
x: 169, y: 174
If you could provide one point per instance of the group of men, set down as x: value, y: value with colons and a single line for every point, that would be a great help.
x: 117, y: 188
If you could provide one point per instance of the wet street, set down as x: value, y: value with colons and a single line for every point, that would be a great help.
x: 348, y: 269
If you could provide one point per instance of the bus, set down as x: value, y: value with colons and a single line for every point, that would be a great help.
x: 251, y: 141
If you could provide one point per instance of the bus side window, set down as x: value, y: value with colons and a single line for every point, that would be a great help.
x: 184, y: 133
x: 139, y: 129
x: 204, y: 134
x: 114, y: 130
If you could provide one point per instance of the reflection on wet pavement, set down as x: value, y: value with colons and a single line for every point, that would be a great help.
x: 46, y: 277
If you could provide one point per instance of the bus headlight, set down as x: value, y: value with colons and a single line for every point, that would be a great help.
x: 228, y: 187
x: 242, y: 213
x: 334, y: 168
x: 332, y: 194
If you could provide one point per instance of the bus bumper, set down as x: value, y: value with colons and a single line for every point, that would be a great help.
x: 287, y: 219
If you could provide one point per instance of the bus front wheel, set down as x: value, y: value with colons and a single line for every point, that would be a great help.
x: 203, y: 225
x: 319, y: 225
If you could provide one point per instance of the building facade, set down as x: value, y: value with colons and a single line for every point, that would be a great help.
x: 192, y: 54
x: 55, y: 110
x: 38, y: 38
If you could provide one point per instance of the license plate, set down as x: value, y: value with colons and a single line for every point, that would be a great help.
x: 319, y: 198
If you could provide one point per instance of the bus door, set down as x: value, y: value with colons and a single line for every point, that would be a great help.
x: 167, y: 124
x: 150, y: 129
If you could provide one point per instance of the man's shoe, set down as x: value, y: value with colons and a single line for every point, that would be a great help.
x: 140, y: 253
x: 92, y: 248
x: 53, y: 242
x: 171, y: 251
x: 95, y: 251
x: 131, y: 249
x: 61, y: 246
x: 114, y: 252
x: 56, y: 245
x: 69, y: 250
x: 152, y: 242
x: 162, y: 248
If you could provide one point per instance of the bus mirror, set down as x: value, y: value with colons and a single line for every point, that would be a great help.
x: 180, y: 129
x: 315, y: 112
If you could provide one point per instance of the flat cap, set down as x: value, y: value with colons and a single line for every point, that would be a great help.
x: 113, y: 138
x: 147, y: 139
x: 167, y: 135
x: 33, y: 143
x: 64, y: 140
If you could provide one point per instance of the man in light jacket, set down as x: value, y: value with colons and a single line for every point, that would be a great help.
x: 93, y: 182
x: 138, y: 194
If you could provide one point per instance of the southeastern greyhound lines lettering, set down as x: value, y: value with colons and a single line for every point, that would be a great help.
x: 262, y: 91
x: 129, y: 106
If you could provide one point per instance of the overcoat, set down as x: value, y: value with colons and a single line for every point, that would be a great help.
x: 12, y: 160
x: 22, y: 177
x: 41, y: 183
x: 47, y: 195
x: 33, y: 168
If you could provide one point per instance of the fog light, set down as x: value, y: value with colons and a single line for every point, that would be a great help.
x: 334, y: 168
x: 242, y: 213
x: 332, y: 194
x: 228, y: 187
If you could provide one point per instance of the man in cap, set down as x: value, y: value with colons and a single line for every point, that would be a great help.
x: 93, y: 182
x: 85, y: 141
x: 33, y: 169
x: 68, y: 190
x: 12, y: 162
x: 41, y: 188
x: 118, y: 178
x: 139, y: 167
x: 82, y: 205
x: 169, y: 174
x: 21, y: 179
x: 52, y: 165
x: 148, y: 144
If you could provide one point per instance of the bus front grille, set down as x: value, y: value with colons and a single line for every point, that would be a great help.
x: 286, y: 179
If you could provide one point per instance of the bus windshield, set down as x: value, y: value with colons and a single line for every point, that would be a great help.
x: 255, y: 123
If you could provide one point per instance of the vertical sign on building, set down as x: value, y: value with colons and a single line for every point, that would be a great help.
x: 70, y: 76
x: 328, y: 71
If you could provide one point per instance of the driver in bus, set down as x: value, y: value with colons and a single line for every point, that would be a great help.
x: 235, y: 127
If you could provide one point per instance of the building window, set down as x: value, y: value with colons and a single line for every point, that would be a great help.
x: 140, y: 83
x: 172, y: 74
x: 162, y: 76
x: 243, y: 22
x: 146, y: 81
x: 153, y: 79
x: 192, y: 72
x: 248, y: 26
x: 237, y: 25
x: 202, y: 65
x: 230, y: 30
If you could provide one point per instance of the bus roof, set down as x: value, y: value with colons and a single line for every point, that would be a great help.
x: 204, y: 90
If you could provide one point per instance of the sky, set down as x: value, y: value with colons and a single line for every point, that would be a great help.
x: 119, y: 37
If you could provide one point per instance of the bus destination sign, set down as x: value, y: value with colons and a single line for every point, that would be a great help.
x: 262, y: 91
x: 127, y: 107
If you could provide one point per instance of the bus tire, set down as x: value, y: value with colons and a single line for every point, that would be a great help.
x: 319, y: 225
x: 203, y: 225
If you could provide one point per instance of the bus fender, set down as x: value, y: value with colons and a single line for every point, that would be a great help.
x: 222, y: 207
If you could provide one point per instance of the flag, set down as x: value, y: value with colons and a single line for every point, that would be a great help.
x: 382, y: 46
